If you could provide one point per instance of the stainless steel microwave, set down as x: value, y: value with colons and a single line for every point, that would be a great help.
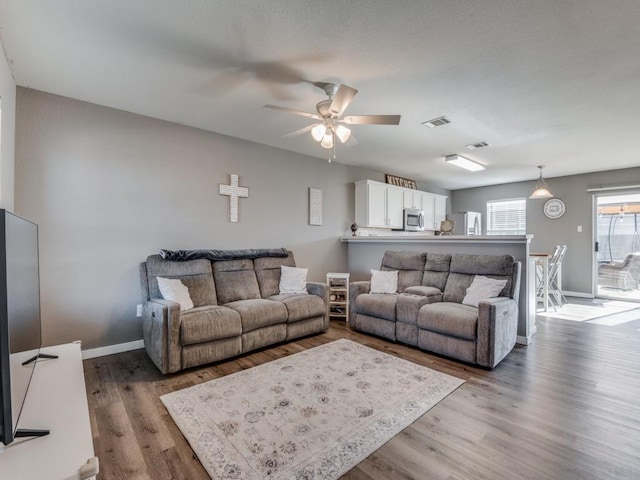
x: 413, y: 220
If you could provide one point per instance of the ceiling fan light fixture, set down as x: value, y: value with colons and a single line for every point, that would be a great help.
x: 541, y: 190
x: 343, y: 133
x: 463, y: 162
x: 318, y: 132
x: 327, y: 140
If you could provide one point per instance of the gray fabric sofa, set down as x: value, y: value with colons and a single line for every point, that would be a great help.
x: 428, y: 312
x: 237, y: 308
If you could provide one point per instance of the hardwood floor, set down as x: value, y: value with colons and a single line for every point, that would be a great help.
x: 565, y: 407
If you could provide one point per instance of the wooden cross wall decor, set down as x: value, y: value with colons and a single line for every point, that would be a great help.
x: 233, y: 191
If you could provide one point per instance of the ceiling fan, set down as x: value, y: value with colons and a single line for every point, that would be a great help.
x: 331, y: 124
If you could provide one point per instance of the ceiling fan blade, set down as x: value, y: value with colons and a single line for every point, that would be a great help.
x: 300, y: 131
x: 352, y: 142
x: 295, y: 112
x: 372, y: 120
x: 342, y: 99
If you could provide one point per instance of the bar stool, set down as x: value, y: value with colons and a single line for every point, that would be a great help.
x: 555, y: 276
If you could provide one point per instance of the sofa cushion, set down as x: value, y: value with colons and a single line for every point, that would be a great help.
x: 410, y: 266
x: 381, y: 305
x: 482, y: 264
x: 213, y: 322
x: 201, y: 288
x: 436, y: 270
x: 235, y: 280
x: 268, y: 273
x: 301, y: 306
x: 424, y: 291
x: 259, y: 312
x: 408, y: 305
x: 157, y: 267
x: 492, y: 266
x: 448, y: 318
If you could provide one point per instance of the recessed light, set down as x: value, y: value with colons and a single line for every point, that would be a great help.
x: 463, y: 162
x: 475, y: 146
x: 436, y: 122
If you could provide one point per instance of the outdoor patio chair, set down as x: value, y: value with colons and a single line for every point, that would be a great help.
x: 622, y: 275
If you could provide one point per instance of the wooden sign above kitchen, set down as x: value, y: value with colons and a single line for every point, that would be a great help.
x: 400, y: 182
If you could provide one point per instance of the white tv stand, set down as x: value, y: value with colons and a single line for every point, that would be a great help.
x: 56, y: 401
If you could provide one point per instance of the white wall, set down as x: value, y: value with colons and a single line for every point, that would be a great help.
x: 108, y: 188
x: 7, y: 127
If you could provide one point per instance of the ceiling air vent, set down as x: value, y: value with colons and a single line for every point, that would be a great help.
x: 474, y: 146
x: 436, y: 122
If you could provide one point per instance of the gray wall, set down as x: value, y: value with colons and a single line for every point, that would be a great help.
x: 108, y: 188
x: 7, y: 126
x: 572, y: 190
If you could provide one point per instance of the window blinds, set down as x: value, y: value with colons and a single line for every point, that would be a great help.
x: 507, y: 217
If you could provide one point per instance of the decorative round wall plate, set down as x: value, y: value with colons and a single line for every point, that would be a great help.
x: 554, y: 208
x: 447, y: 226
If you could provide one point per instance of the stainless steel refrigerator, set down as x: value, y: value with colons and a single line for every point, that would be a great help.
x: 467, y: 223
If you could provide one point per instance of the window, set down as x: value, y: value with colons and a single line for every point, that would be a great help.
x: 507, y: 217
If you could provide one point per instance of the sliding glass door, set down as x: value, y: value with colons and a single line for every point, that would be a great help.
x: 617, y: 233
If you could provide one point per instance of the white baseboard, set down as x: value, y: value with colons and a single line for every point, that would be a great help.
x: 577, y: 294
x: 111, y: 349
x: 522, y: 340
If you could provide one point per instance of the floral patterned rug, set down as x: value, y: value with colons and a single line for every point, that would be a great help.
x: 313, y: 415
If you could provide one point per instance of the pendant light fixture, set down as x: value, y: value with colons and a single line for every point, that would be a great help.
x: 541, y: 190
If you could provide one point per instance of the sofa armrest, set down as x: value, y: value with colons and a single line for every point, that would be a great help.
x: 497, y: 330
x: 322, y: 290
x: 161, y: 332
x: 355, y: 289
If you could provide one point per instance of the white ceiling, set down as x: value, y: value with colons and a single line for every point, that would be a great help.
x: 554, y: 82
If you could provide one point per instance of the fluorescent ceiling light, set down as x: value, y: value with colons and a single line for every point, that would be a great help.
x: 462, y: 162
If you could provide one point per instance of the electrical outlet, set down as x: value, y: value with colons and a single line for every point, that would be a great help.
x: 139, y: 311
x: 579, y: 228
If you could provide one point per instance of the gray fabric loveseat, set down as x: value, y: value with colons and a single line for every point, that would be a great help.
x: 237, y: 308
x: 428, y: 311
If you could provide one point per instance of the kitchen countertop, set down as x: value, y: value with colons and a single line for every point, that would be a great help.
x: 421, y: 237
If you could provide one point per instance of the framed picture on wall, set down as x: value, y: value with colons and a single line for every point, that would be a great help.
x: 315, y: 206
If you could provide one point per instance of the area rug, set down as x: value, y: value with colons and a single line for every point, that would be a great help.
x: 313, y: 415
x: 596, y: 309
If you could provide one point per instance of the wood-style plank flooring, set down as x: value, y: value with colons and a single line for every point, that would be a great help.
x: 565, y: 407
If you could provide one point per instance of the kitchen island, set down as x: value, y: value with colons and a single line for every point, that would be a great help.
x: 365, y: 253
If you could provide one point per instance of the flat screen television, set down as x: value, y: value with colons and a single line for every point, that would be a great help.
x: 20, y: 331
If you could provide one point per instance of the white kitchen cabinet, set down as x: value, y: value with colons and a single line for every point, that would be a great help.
x: 375, y: 206
x: 428, y: 207
x: 440, y: 210
x: 380, y: 205
x: 434, y: 207
x: 395, y: 213
x: 412, y: 198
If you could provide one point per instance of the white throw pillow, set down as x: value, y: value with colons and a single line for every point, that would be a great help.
x: 173, y: 289
x: 482, y: 288
x: 384, y: 281
x: 293, y: 279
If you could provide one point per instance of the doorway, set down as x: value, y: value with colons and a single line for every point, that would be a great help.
x: 617, y: 258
